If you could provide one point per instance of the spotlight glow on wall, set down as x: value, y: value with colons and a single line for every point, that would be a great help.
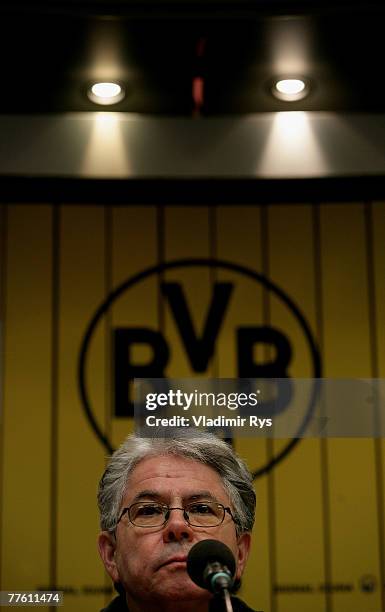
x: 106, y: 93
x: 290, y: 89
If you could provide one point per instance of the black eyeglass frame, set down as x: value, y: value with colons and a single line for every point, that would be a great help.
x: 168, y: 510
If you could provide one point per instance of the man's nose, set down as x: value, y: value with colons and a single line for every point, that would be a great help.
x: 177, y: 528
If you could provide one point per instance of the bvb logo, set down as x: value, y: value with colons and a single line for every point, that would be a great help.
x: 199, y: 348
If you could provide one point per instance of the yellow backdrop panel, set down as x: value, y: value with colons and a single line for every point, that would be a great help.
x: 319, y: 535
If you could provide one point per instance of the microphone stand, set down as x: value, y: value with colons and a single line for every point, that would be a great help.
x: 228, y: 604
x: 221, y: 581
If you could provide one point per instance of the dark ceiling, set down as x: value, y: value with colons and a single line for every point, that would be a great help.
x: 51, y: 51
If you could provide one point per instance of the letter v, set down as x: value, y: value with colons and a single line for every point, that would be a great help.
x: 199, y: 349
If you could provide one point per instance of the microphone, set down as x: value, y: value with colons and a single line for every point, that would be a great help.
x: 211, y: 565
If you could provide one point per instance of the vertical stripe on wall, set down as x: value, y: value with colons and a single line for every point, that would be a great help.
x: 239, y: 241
x: 298, y: 500
x: 376, y: 275
x: 186, y: 235
x: 266, y: 351
x: 55, y: 351
x: 134, y: 248
x: 3, y: 253
x: 346, y: 353
x: 319, y: 313
x: 80, y: 454
x: 27, y: 399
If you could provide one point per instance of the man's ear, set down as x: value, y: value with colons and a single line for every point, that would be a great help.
x: 107, y: 545
x: 244, y: 542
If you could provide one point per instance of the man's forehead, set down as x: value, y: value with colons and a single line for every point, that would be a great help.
x: 174, y: 474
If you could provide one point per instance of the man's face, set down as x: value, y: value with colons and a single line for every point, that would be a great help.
x: 151, y: 562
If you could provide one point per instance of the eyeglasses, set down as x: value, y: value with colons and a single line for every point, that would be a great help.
x: 196, y: 514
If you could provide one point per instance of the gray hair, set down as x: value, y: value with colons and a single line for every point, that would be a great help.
x: 198, y: 446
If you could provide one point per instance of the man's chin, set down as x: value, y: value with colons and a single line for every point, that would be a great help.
x: 175, y: 584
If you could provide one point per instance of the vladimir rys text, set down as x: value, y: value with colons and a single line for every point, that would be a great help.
x: 203, y: 421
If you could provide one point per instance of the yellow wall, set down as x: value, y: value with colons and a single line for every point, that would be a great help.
x: 320, y: 511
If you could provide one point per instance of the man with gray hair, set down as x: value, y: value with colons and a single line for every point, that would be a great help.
x: 157, y: 498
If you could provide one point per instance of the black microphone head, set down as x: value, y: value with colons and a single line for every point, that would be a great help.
x: 208, y: 551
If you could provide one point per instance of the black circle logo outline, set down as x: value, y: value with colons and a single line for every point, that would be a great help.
x: 210, y: 263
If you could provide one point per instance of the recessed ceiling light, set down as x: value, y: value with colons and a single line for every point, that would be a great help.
x: 290, y: 89
x: 106, y: 93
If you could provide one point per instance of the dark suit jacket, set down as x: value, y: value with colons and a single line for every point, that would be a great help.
x: 119, y: 605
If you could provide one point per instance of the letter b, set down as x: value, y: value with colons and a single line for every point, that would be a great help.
x: 247, y: 338
x: 125, y: 370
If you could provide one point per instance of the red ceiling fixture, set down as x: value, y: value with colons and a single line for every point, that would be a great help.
x: 198, y: 82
